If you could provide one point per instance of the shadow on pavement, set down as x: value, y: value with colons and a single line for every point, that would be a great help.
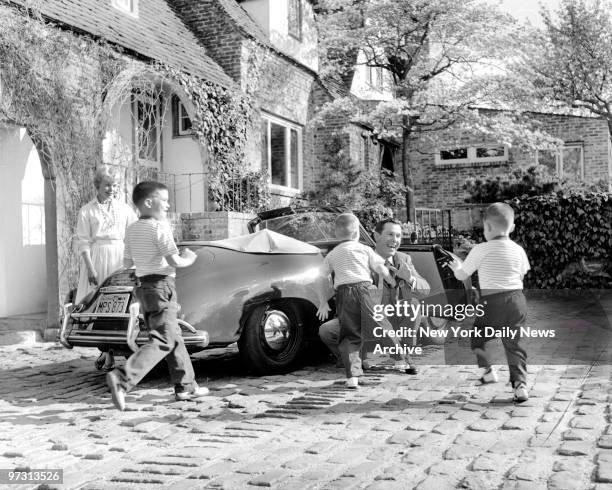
x: 77, y: 381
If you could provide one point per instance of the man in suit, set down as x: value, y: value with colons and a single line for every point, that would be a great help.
x: 409, y: 285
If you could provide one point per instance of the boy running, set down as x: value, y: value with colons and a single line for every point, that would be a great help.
x: 501, y: 264
x: 149, y: 246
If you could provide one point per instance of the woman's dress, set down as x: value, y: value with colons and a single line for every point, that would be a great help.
x: 101, y: 230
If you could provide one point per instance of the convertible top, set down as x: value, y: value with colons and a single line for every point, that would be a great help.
x: 267, y: 242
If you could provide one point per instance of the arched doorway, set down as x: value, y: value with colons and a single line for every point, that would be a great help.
x: 149, y: 134
x: 23, y: 273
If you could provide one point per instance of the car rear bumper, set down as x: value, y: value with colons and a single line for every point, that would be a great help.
x: 130, y: 338
x: 105, y: 339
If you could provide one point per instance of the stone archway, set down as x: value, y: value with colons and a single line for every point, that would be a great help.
x: 179, y: 160
x: 28, y: 252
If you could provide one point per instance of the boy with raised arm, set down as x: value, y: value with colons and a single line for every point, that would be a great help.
x: 351, y: 263
x: 501, y: 264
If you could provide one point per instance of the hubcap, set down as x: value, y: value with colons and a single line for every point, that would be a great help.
x: 276, y: 329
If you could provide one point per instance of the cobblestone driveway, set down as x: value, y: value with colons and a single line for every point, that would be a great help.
x: 436, y: 430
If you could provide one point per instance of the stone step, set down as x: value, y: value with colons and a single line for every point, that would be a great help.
x: 24, y: 329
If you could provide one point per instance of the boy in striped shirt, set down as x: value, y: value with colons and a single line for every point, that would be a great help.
x: 150, y: 247
x: 501, y: 264
x: 351, y: 263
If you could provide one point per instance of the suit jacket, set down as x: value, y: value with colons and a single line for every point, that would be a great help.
x: 403, y: 290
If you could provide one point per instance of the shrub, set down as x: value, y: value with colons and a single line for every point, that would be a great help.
x: 372, y: 214
x: 370, y: 195
x: 462, y: 245
x: 531, y: 181
x: 568, y: 239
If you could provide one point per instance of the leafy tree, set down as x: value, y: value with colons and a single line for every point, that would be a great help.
x: 568, y: 64
x: 438, y: 57
x: 343, y: 184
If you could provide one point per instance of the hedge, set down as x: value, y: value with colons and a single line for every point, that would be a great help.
x: 568, y: 239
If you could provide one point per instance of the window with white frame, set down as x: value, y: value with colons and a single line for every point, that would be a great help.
x: 127, y: 6
x: 146, y: 112
x: 281, y: 144
x: 181, y: 123
x: 472, y: 154
x: 294, y: 18
x: 565, y: 162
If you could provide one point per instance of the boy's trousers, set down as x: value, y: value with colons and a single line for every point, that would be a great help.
x: 508, y: 310
x: 157, y: 296
x: 354, y: 307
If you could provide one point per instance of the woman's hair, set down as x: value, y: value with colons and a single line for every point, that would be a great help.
x: 105, y: 172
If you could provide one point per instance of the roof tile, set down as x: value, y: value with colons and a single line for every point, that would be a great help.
x: 157, y: 33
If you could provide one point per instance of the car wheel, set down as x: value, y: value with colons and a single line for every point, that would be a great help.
x: 271, y: 339
x: 440, y: 324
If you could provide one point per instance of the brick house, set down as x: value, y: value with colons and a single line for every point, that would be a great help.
x: 36, y: 217
x: 290, y: 91
x: 215, y: 40
x: 440, y: 173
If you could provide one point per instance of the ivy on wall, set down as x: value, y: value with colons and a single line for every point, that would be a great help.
x: 61, y: 86
x: 51, y: 87
x: 568, y: 239
x: 221, y: 121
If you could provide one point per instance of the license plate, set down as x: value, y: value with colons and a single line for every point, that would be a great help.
x: 113, y: 303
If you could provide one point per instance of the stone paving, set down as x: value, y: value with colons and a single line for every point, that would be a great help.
x: 435, y: 430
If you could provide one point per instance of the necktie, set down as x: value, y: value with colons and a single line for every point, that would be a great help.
x: 392, y: 292
x: 389, y: 265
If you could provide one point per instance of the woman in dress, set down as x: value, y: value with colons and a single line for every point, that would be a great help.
x: 100, y: 232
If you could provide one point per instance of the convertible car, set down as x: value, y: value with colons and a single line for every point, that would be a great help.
x: 259, y: 290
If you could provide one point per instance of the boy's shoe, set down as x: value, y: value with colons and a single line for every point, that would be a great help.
x: 405, y: 368
x: 105, y: 362
x: 412, y: 370
x: 520, y: 393
x: 100, y: 361
x: 197, y: 392
x: 366, y: 365
x: 489, y: 376
x: 109, y: 364
x: 117, y: 393
x: 352, y: 383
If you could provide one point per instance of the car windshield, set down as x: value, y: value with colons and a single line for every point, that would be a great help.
x: 312, y: 227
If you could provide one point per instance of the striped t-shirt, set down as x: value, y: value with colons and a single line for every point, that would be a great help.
x: 352, y: 262
x: 148, y: 242
x: 501, y: 264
